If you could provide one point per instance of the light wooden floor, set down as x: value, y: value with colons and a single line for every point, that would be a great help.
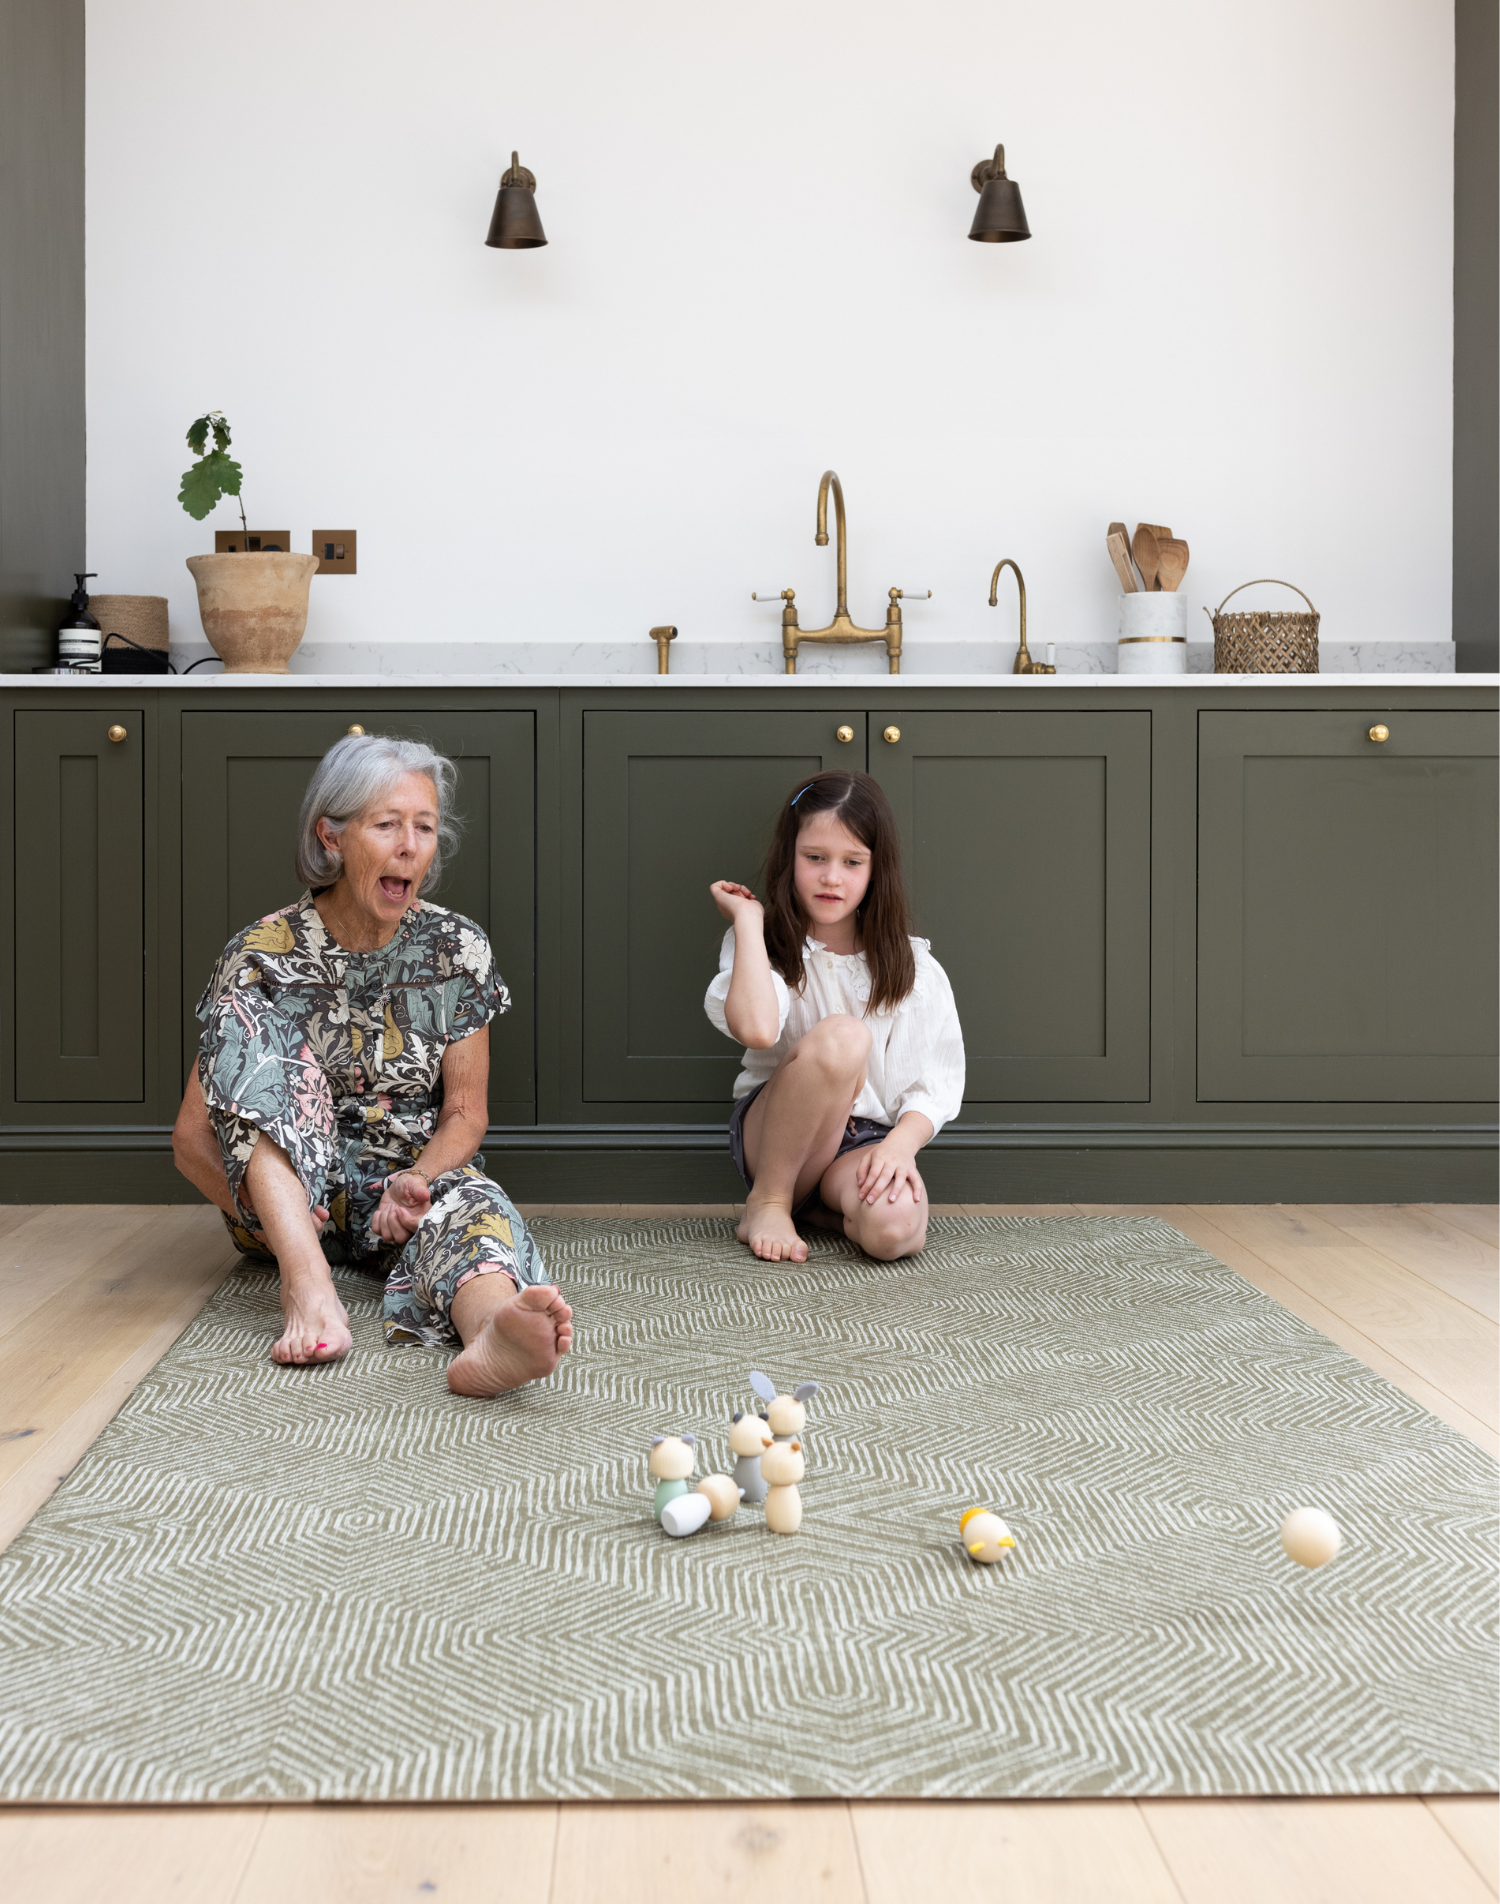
x: 1413, y: 1290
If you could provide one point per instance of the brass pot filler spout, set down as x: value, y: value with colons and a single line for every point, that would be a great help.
x: 1024, y: 662
x: 841, y: 629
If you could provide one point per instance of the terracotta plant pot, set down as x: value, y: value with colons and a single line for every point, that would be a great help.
x: 254, y: 607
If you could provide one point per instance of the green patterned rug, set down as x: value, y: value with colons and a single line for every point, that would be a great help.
x: 347, y: 1584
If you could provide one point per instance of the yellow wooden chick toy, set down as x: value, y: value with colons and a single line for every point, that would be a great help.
x: 984, y: 1534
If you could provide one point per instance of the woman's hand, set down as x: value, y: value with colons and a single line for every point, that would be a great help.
x: 736, y: 901
x: 406, y: 1201
x: 887, y: 1166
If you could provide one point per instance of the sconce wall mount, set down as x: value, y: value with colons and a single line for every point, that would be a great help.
x: 999, y: 217
x: 516, y: 224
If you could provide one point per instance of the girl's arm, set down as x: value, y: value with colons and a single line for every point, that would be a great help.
x: 460, y: 1131
x: 751, y: 1009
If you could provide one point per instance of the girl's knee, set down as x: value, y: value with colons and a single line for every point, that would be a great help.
x: 888, y: 1236
x: 839, y: 1040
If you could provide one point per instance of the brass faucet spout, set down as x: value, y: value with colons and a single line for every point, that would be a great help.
x: 840, y: 613
x: 1024, y: 662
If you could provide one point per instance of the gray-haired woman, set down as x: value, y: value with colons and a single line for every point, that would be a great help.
x: 340, y: 1091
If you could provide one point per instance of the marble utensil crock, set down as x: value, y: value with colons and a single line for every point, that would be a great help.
x: 1153, y: 633
x: 254, y: 607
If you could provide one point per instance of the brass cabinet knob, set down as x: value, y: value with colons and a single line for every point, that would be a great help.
x: 1380, y: 733
x: 117, y: 733
x: 892, y: 734
x: 356, y: 728
x: 845, y: 733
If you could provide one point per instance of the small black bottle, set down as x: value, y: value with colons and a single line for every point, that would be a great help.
x: 78, y: 637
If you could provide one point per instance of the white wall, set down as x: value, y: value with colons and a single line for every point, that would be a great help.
x: 1234, y: 315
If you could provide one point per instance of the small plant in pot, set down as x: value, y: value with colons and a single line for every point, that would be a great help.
x: 253, y: 601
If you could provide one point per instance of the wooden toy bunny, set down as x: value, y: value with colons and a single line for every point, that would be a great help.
x: 749, y: 1437
x: 786, y: 1413
x: 783, y: 1467
x: 672, y: 1461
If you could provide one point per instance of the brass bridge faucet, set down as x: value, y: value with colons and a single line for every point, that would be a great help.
x: 841, y: 628
x: 1024, y: 662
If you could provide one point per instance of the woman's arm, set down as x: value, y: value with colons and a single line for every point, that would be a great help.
x: 751, y: 1010
x: 461, y: 1125
x: 195, y: 1149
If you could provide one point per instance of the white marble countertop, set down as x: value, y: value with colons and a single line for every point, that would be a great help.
x: 1381, y: 682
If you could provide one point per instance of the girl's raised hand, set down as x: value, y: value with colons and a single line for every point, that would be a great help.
x: 887, y: 1167
x: 733, y: 899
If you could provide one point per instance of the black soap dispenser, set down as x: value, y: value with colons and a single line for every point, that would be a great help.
x: 78, y: 637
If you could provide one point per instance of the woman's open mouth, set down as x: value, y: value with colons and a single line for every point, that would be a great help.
x: 395, y: 888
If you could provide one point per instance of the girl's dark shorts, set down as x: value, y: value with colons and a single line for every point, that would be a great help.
x: 859, y: 1133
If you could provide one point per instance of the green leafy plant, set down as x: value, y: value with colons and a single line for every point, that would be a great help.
x: 215, y: 474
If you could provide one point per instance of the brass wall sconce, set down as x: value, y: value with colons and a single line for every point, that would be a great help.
x: 516, y: 225
x: 999, y: 217
x: 661, y: 636
x: 1024, y: 662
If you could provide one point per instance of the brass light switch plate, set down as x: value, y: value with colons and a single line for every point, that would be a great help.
x: 231, y: 541
x: 335, y: 550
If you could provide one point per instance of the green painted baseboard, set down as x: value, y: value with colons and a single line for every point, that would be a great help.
x: 971, y: 1163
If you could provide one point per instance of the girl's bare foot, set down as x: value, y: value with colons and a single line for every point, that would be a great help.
x: 317, y: 1324
x: 523, y: 1340
x: 772, y: 1235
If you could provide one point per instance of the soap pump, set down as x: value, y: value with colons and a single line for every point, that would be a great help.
x: 78, y: 637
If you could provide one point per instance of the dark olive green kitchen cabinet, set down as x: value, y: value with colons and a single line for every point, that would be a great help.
x: 78, y: 933
x: 243, y: 778
x: 1028, y: 841
x: 1346, y: 906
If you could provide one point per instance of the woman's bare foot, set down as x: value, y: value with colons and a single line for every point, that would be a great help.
x: 772, y: 1235
x: 523, y: 1340
x: 317, y: 1324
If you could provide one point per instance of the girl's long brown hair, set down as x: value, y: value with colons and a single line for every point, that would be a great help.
x: 857, y: 802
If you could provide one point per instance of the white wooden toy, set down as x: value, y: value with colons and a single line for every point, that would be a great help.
x: 786, y: 1413
x: 714, y: 1499
x: 749, y: 1437
x: 672, y: 1460
x: 985, y: 1535
x: 1311, y: 1537
x: 783, y: 1467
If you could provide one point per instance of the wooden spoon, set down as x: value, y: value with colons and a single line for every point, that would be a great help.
x: 1157, y: 529
x: 1119, y: 554
x: 1174, y: 561
x: 1146, y: 553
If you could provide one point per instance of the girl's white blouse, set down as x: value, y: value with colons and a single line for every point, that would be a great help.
x: 917, y: 1057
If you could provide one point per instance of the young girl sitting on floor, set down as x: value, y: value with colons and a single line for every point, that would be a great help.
x: 854, y: 1057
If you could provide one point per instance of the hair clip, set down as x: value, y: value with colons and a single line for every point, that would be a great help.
x: 806, y: 789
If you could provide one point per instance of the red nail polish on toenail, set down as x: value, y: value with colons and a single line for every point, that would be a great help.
x: 320, y: 1345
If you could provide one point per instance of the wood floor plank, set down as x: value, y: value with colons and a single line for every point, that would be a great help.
x: 1474, y: 1826
x: 1020, y: 1209
x: 532, y: 1210
x: 1441, y: 1339
x: 57, y: 1245
x: 379, y: 1854
x: 13, y: 1215
x: 1449, y: 1259
x: 65, y: 1351
x: 1475, y: 1219
x: 1199, y: 1229
x: 60, y: 1855
x: 1041, y: 1851
x: 587, y: 1209
x: 665, y: 1212
x: 690, y: 1854
x: 1311, y: 1851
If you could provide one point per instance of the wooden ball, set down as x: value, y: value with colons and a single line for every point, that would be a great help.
x: 722, y: 1495
x: 1311, y: 1537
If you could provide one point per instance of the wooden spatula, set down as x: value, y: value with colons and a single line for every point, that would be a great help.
x: 1119, y: 554
x: 1146, y: 554
x: 1173, y: 563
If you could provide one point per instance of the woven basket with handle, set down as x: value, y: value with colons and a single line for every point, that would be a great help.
x: 1265, y: 640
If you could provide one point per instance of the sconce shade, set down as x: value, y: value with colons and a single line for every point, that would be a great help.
x: 516, y: 225
x: 999, y: 217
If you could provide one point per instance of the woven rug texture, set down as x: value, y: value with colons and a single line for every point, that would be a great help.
x: 346, y: 1583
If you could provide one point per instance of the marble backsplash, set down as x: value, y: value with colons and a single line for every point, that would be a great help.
x: 919, y: 657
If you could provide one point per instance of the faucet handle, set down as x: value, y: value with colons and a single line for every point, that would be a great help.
x: 911, y: 594
x: 766, y: 595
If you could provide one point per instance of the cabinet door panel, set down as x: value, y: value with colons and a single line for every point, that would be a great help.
x: 244, y: 775
x: 673, y: 801
x: 80, y: 950
x: 1347, y: 899
x: 1028, y: 843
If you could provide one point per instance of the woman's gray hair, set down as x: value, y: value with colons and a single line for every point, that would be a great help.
x: 354, y: 774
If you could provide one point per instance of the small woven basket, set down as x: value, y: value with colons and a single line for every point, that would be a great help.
x: 1265, y: 640
x: 140, y: 618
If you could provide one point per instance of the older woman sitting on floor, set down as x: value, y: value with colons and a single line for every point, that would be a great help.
x: 340, y: 1089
